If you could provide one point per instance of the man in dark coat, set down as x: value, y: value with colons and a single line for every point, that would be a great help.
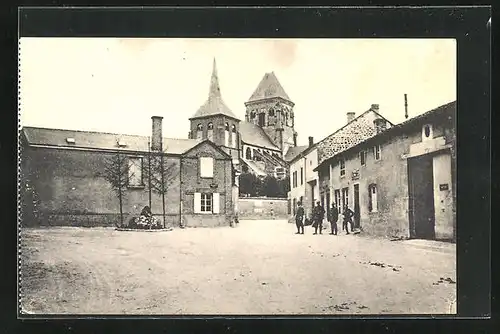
x: 333, y: 217
x: 348, y: 214
x: 318, y: 215
x: 299, y: 219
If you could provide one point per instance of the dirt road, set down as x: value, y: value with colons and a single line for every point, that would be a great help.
x: 260, y: 267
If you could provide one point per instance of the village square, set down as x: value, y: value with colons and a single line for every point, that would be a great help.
x: 245, y: 214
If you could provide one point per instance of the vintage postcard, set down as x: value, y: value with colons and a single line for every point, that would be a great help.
x: 234, y: 176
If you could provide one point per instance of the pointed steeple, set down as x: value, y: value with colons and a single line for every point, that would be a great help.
x: 214, y: 105
x: 214, y: 83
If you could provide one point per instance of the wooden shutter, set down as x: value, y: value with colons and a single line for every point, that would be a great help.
x: 197, y: 203
x: 215, y: 203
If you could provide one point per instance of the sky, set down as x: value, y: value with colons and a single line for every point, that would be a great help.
x: 116, y: 85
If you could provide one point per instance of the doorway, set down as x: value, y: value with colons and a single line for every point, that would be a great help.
x: 421, y: 198
x: 357, y: 214
x: 345, y: 198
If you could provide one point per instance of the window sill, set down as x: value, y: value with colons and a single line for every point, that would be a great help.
x: 342, y: 176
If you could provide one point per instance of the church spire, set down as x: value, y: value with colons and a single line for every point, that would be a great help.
x: 214, y: 83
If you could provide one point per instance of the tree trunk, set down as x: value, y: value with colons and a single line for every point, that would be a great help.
x: 121, y: 206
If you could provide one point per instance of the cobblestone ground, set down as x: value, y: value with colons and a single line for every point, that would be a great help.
x: 259, y: 267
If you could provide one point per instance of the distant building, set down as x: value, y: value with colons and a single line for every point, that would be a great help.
x: 303, y: 178
x: 402, y: 180
x: 261, y: 141
x: 66, y: 169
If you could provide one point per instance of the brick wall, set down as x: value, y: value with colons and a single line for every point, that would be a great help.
x: 260, y: 208
x: 71, y: 183
x: 192, y: 182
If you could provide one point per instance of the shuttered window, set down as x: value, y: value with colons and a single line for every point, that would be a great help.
x: 197, y: 203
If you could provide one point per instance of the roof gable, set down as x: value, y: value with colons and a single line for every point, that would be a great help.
x: 101, y: 140
x: 269, y: 87
x: 214, y: 105
x: 294, y: 151
x: 207, y: 146
x: 254, y: 135
x: 353, y: 133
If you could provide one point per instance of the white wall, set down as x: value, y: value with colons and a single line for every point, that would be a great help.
x: 443, y: 200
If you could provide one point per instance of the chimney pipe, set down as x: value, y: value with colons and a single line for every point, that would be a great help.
x: 156, y: 135
x: 406, y: 107
x: 350, y: 116
x: 311, y: 141
x: 295, y: 140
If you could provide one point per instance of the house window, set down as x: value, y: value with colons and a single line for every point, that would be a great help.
x: 233, y: 134
x: 294, y: 179
x: 376, y: 152
x: 135, y: 172
x: 427, y: 132
x: 206, y: 167
x: 210, y: 131
x: 342, y: 167
x: 199, y: 131
x: 248, y: 153
x: 226, y: 134
x: 372, y: 198
x: 362, y: 157
x: 206, y: 203
x: 301, y: 176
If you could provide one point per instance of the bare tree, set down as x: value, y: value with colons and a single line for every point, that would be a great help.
x: 160, y: 174
x: 117, y: 173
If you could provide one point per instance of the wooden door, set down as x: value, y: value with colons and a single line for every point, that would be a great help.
x: 421, y: 198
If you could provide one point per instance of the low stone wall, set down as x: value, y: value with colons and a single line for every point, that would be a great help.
x: 262, y: 208
x: 94, y: 220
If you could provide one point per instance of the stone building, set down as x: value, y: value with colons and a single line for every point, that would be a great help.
x: 356, y: 130
x: 66, y: 169
x: 400, y: 181
x: 303, y: 179
x: 261, y: 142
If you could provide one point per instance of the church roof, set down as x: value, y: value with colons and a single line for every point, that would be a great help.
x: 269, y: 87
x: 214, y: 105
x: 254, y: 135
x: 101, y: 140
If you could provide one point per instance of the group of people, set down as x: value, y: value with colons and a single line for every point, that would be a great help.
x: 318, y: 215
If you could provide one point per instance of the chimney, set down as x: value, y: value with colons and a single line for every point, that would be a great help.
x: 380, y: 125
x: 350, y: 116
x: 156, y: 135
x: 375, y: 107
x: 406, y: 107
x: 311, y: 141
x: 295, y: 140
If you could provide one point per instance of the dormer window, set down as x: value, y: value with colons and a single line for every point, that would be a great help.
x: 70, y: 140
x: 427, y: 132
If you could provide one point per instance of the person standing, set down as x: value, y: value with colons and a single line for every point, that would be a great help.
x: 333, y: 217
x: 348, y: 214
x: 299, y: 219
x: 318, y: 215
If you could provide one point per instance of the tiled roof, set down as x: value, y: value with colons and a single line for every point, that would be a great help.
x: 446, y: 108
x: 214, y: 105
x: 351, y: 134
x: 254, y: 135
x: 101, y: 140
x: 269, y: 87
x: 294, y: 151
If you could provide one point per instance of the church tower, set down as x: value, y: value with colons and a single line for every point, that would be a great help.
x: 270, y: 108
x: 215, y: 121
